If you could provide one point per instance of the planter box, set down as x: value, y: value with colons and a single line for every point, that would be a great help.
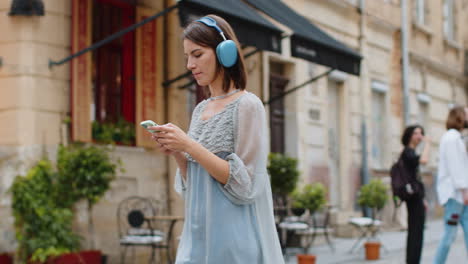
x: 6, y: 258
x: 83, y: 257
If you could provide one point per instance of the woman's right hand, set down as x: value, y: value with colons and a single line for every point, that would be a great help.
x: 161, y: 147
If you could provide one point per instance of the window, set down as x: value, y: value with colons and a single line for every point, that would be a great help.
x: 449, y: 19
x: 278, y: 85
x: 423, y: 118
x: 113, y: 80
x: 423, y: 115
x: 378, y: 125
x: 420, y: 12
x: 113, y: 76
x: 117, y: 85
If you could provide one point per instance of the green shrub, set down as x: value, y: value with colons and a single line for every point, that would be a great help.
x: 283, y: 172
x: 85, y: 172
x: 43, y: 228
x: 311, y: 196
x: 373, y: 195
x: 43, y: 200
x: 122, y: 132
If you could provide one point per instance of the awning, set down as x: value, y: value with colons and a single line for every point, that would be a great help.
x: 308, y: 41
x: 250, y: 27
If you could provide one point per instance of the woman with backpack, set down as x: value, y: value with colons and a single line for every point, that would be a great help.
x: 412, y: 137
x: 452, y: 181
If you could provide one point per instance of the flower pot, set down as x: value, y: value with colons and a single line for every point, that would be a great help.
x: 298, y: 211
x: 372, y: 250
x: 305, y: 259
x: 6, y: 258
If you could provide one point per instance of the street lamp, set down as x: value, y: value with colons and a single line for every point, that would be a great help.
x: 26, y: 8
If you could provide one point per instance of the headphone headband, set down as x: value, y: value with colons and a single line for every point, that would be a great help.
x: 210, y: 22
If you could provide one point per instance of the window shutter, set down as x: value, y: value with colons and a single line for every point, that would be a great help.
x: 81, y: 75
x: 149, y: 91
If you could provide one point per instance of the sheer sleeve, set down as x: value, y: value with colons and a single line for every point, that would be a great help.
x: 247, y: 165
x: 180, y: 184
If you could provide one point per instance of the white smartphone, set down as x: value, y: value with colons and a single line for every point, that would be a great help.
x: 149, y: 123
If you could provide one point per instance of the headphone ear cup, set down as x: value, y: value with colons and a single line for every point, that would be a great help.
x: 226, y: 52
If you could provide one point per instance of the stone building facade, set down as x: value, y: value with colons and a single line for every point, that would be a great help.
x: 330, y: 143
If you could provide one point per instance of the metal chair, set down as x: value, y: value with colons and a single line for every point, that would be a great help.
x: 320, y: 225
x: 137, y: 230
x: 368, y: 228
x: 300, y: 232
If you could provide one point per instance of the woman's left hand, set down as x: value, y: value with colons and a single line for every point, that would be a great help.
x: 172, y: 137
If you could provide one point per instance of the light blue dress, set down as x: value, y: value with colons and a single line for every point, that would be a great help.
x: 229, y: 223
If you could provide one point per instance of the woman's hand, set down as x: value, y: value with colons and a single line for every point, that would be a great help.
x: 171, y: 138
x: 161, y: 147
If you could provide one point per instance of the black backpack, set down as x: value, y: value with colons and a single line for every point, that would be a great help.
x: 402, y: 187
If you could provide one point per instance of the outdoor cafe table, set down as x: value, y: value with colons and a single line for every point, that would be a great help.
x: 172, y: 218
x: 165, y: 218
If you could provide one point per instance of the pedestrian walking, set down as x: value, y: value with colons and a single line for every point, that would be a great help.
x: 452, y: 182
x: 415, y: 203
x: 222, y: 160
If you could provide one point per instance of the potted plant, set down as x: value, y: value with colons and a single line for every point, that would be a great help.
x: 312, y: 197
x: 90, y: 170
x: 298, y: 206
x: 121, y: 132
x: 373, y: 195
x: 284, y: 176
x: 43, y: 228
x: 43, y: 203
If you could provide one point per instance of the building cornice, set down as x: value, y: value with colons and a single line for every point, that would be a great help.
x: 453, y: 72
x: 381, y: 24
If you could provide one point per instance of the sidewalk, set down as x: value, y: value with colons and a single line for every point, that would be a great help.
x: 395, y: 243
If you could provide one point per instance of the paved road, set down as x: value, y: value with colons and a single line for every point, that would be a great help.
x: 395, y: 244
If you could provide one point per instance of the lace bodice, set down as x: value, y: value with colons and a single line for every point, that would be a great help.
x: 217, y: 133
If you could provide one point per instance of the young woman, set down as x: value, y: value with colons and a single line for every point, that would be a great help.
x: 452, y: 181
x: 222, y: 161
x: 412, y: 137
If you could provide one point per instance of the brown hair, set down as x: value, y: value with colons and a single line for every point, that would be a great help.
x: 456, y: 118
x: 205, y: 36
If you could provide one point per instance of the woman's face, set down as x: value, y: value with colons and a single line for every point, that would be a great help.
x: 417, y: 136
x: 201, y: 61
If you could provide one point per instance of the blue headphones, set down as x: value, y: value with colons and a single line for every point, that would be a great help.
x: 226, y: 51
